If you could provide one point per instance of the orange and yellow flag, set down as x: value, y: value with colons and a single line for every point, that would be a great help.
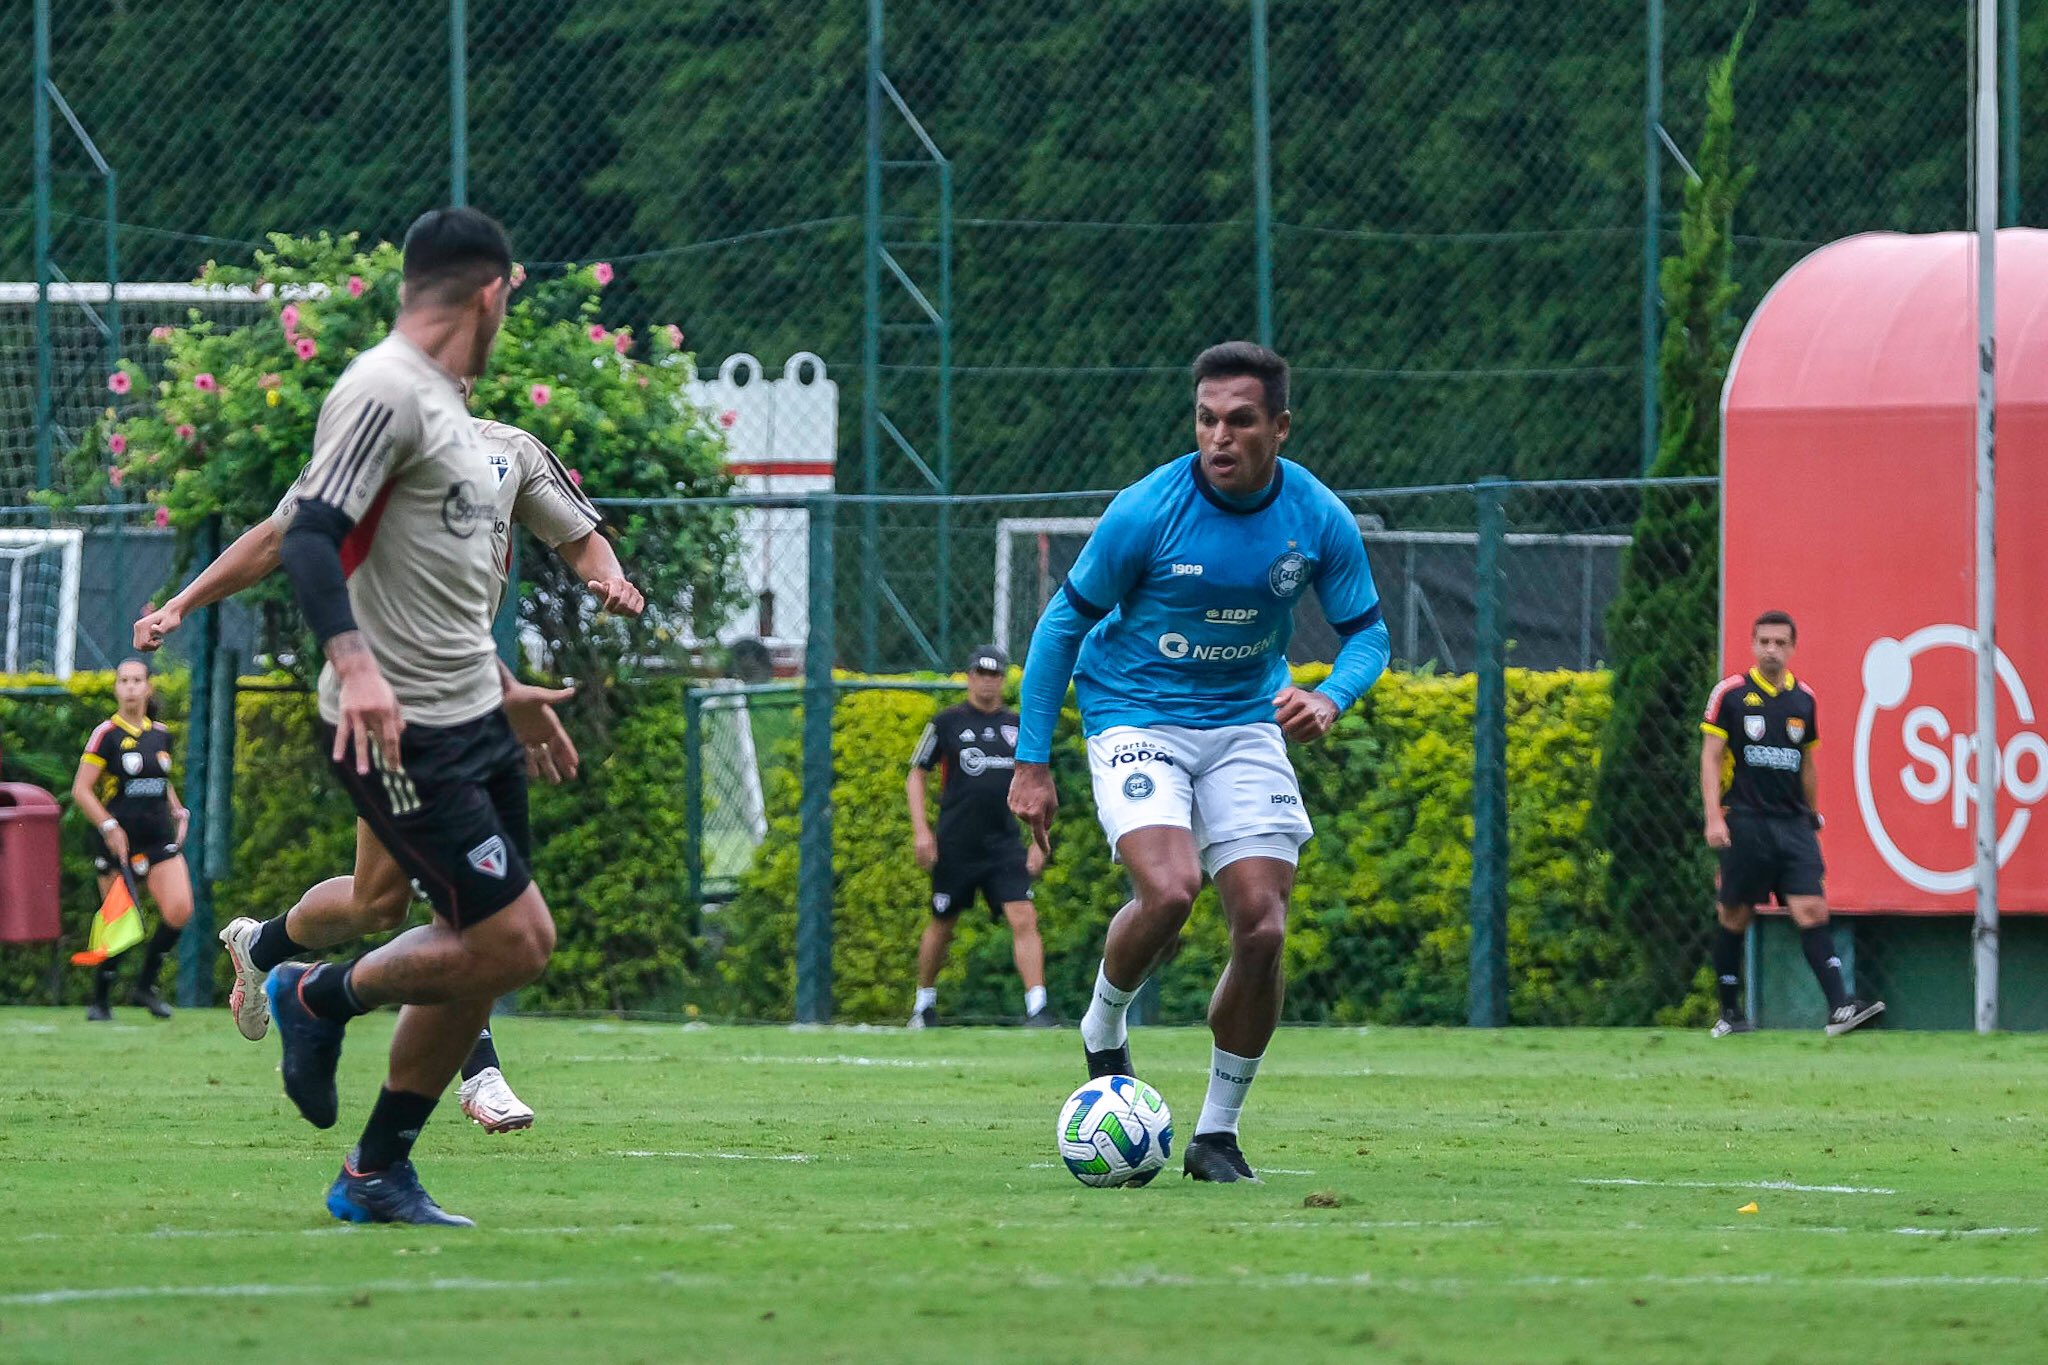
x: 116, y: 927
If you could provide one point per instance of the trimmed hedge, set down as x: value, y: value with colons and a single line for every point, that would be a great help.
x: 1379, y: 929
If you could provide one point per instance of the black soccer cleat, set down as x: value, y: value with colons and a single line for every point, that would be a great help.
x: 312, y: 1046
x: 1114, y: 1061
x: 1215, y: 1156
x: 151, y: 1001
x: 1731, y: 1021
x: 393, y: 1196
x: 1852, y: 1015
x: 1044, y: 1018
x: 98, y: 1013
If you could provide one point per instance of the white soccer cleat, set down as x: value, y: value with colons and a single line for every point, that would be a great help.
x: 490, y: 1102
x: 246, y: 1001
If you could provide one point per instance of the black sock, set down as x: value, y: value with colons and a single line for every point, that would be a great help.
x: 274, y: 944
x: 328, y: 992
x: 481, y: 1057
x: 1728, y: 968
x: 1819, y: 943
x: 394, y: 1126
x: 160, y: 945
x: 103, y: 983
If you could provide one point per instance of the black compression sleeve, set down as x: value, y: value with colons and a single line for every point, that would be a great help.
x: 311, y: 555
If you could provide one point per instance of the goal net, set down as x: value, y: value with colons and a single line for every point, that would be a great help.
x: 1555, y: 586
x: 39, y: 574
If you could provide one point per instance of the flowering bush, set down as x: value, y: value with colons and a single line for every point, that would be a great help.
x: 227, y: 422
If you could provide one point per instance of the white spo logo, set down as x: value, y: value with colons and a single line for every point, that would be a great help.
x: 1936, y: 773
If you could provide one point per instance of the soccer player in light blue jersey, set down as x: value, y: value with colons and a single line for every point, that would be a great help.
x: 1174, y: 626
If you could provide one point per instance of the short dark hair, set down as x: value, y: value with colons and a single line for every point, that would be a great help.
x: 1233, y: 358
x: 1776, y: 618
x: 451, y: 253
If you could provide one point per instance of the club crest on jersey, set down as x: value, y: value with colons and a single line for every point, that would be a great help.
x: 1138, y: 786
x: 488, y: 857
x: 131, y: 762
x: 1010, y: 735
x: 163, y: 760
x: 1753, y: 726
x: 501, y: 464
x: 1795, y: 729
x: 460, y: 511
x: 941, y: 902
x: 1289, y: 574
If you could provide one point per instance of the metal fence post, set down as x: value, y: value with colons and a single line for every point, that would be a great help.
x: 1652, y: 300
x: 194, y: 959
x: 693, y: 793
x: 41, y: 118
x: 458, y: 102
x: 1488, y: 1001
x: 871, y: 342
x: 814, y: 849
x: 1262, y: 171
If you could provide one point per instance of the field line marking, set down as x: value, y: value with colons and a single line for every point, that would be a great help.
x: 726, y: 1156
x: 1740, y: 1185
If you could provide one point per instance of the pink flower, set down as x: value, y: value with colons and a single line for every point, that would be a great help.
x: 119, y: 382
x: 114, y: 475
x: 518, y: 275
x: 602, y: 273
x: 674, y: 335
x: 290, y: 317
x: 159, y: 334
x: 643, y: 381
x: 576, y: 477
x: 622, y: 343
x: 118, y: 444
x: 163, y: 517
x: 541, y: 395
x: 306, y: 347
x: 356, y: 286
x: 598, y: 333
x: 268, y: 381
x: 727, y: 418
x: 205, y: 382
x: 186, y: 431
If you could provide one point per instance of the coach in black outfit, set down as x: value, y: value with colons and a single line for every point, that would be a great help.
x: 979, y: 849
x: 1758, y: 784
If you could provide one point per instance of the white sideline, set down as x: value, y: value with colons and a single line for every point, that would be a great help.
x: 1743, y: 1185
x: 727, y: 1156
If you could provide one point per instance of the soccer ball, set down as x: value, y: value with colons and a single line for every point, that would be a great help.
x: 1115, y: 1130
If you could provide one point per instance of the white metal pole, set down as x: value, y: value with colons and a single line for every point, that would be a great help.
x: 1985, y: 937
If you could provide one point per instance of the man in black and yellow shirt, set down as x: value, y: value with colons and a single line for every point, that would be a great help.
x: 1759, y: 787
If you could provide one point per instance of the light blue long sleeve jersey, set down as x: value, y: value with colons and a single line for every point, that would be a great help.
x: 1180, y: 608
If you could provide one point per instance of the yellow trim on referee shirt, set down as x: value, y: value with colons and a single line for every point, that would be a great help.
x: 1708, y: 727
x: 93, y: 759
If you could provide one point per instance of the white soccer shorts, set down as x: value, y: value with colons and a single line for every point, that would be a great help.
x: 1221, y: 785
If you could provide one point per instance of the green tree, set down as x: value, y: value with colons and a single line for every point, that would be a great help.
x: 1662, y: 628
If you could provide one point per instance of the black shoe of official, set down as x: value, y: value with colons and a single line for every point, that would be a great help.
x: 393, y: 1196
x: 1113, y: 1061
x: 1852, y: 1014
x: 1044, y: 1018
x: 151, y: 1001
x: 1731, y: 1021
x: 312, y: 1046
x: 98, y: 1013
x: 1215, y: 1156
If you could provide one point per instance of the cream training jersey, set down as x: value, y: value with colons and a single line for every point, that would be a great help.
x: 433, y: 492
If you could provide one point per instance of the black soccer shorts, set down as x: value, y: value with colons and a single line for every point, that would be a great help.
x: 452, y: 812
x: 998, y: 876
x: 1770, y: 855
x: 149, y: 845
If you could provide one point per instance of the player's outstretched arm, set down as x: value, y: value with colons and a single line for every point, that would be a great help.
x: 1048, y: 668
x: 1305, y: 714
x: 592, y: 559
x: 252, y: 558
x: 550, y: 753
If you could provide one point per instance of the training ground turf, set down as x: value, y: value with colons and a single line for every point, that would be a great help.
x: 730, y: 1194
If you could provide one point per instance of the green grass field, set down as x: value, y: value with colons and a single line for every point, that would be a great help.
x: 851, y: 1195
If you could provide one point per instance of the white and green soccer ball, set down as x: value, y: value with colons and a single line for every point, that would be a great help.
x: 1115, y: 1130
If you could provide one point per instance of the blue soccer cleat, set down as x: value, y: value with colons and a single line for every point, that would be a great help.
x: 312, y: 1046
x: 392, y: 1196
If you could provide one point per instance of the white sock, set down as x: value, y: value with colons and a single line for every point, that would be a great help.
x: 1034, y: 999
x: 1102, y: 1027
x: 1230, y: 1077
x: 927, y: 998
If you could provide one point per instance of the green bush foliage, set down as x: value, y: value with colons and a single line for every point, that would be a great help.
x: 1379, y: 929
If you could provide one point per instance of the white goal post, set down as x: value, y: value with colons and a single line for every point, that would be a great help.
x: 35, y: 603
